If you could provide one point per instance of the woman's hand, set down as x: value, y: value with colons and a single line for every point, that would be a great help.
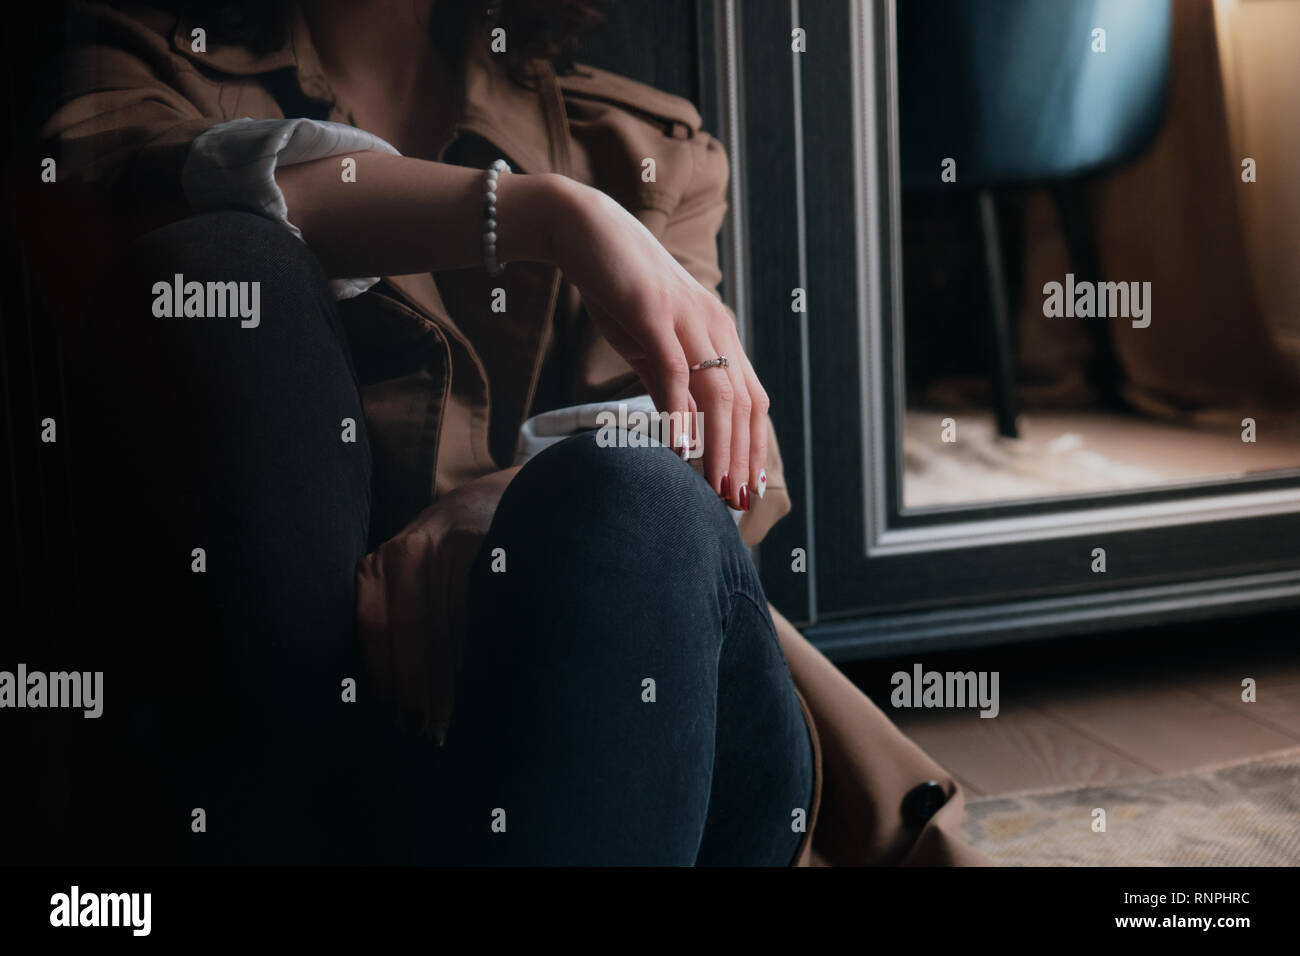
x: 407, y: 215
x: 663, y: 322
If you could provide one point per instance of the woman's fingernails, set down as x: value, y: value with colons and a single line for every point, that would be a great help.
x: 744, y: 497
x: 685, y: 447
x: 762, y: 482
x: 724, y: 488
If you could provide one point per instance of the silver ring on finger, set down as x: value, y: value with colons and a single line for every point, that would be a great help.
x: 719, y: 362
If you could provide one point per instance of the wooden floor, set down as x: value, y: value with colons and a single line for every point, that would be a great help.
x: 1115, y: 707
x: 1080, y: 452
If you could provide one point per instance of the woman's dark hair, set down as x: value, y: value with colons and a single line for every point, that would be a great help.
x: 534, y: 29
x: 543, y: 29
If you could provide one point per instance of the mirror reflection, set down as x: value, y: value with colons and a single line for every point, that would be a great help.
x: 1100, y: 217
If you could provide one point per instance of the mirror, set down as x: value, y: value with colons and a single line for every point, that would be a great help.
x: 1099, y: 220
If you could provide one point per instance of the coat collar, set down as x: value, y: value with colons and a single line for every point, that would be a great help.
x: 295, y: 51
x: 528, y: 125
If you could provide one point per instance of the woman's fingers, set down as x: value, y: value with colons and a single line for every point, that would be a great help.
x: 741, y: 407
x: 755, y: 450
x: 734, y: 406
x: 692, y: 429
x: 757, y: 433
x: 714, y: 395
x: 747, y: 454
x: 670, y: 390
x: 721, y: 409
x: 655, y: 353
x: 648, y: 298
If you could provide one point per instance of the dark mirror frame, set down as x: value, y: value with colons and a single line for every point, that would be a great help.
x: 815, y: 138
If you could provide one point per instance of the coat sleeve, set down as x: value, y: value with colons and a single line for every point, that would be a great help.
x: 122, y: 127
x: 118, y: 133
x: 864, y: 769
x: 691, y: 236
x: 135, y: 147
x: 232, y: 166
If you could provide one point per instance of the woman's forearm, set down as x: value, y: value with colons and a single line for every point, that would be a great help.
x: 404, y: 215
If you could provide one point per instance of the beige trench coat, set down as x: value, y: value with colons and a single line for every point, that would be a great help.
x: 445, y: 384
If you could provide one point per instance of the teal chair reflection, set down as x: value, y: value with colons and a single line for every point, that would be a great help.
x: 1014, y: 91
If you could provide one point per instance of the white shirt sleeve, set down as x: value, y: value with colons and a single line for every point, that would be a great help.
x: 232, y: 166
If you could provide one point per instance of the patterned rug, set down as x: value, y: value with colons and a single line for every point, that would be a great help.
x: 1242, y: 814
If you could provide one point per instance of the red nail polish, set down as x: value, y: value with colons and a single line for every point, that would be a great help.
x: 744, y: 497
x: 724, y: 488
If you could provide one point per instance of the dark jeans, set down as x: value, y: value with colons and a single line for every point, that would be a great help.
x: 224, y: 690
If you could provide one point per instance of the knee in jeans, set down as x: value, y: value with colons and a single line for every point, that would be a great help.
x: 219, y: 303
x: 627, y: 488
x: 273, y: 270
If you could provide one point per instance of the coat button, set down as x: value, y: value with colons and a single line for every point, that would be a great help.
x: 923, y: 802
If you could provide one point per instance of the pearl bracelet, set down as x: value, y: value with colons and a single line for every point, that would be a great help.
x: 490, y: 218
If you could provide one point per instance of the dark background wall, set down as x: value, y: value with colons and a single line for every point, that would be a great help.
x: 34, y: 479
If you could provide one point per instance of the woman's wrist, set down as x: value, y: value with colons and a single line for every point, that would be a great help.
x: 531, y: 211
